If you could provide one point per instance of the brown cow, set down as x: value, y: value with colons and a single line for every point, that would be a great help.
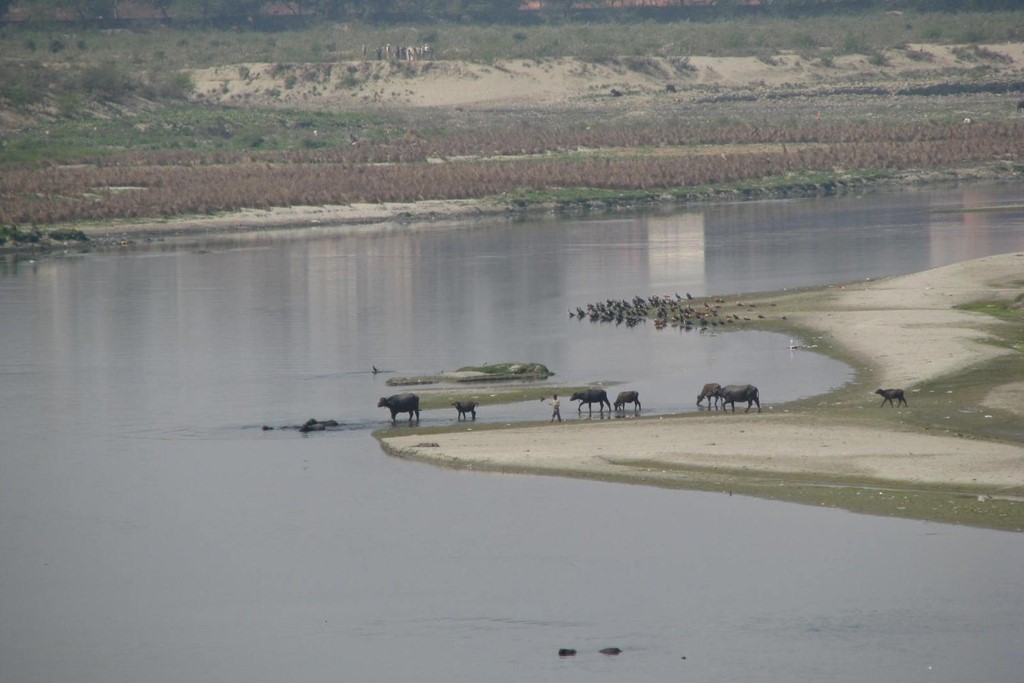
x: 710, y: 392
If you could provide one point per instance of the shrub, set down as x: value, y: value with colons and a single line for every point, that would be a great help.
x: 67, y: 235
x: 12, y: 233
x: 104, y: 81
x: 919, y: 55
x: 170, y: 86
x: 977, y: 53
x: 24, y: 85
x: 682, y: 64
x: 69, y: 103
x: 853, y: 43
x: 878, y: 58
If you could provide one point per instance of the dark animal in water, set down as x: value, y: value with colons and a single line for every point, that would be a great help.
x: 610, y: 651
x: 890, y: 394
x: 625, y: 397
x: 466, y: 407
x: 401, y: 403
x: 598, y: 396
x: 1020, y: 106
x: 708, y: 392
x: 566, y: 652
x: 315, y: 425
x: 739, y: 392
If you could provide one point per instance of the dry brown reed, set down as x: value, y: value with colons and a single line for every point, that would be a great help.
x: 153, y: 185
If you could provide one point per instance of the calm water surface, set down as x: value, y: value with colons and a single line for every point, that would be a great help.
x: 149, y: 530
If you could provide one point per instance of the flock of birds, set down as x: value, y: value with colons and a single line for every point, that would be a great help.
x: 666, y: 311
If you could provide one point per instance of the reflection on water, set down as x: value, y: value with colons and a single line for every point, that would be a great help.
x: 150, y: 530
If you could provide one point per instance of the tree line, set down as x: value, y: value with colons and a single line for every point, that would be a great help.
x: 494, y: 11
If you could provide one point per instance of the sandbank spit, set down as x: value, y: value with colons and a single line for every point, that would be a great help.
x: 903, y: 331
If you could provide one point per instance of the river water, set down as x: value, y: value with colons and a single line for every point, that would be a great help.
x: 151, y: 531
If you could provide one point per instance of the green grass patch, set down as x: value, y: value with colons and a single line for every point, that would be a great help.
x: 183, y: 128
x: 1009, y: 310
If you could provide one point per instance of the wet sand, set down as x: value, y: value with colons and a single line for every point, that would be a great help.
x: 922, y: 337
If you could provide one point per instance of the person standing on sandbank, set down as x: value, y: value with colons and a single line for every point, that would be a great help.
x: 555, y: 408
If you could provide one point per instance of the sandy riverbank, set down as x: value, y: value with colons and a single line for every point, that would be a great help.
x: 903, y: 329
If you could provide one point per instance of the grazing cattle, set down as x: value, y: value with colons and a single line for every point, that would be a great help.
x: 890, y: 394
x: 590, y: 396
x: 401, y: 403
x: 739, y: 392
x: 466, y: 407
x: 628, y: 397
x: 708, y: 392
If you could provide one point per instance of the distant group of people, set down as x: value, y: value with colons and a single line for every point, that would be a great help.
x: 401, y: 53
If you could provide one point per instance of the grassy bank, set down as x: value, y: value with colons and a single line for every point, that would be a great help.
x: 815, y: 37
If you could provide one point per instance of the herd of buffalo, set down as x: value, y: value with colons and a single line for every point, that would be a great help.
x: 678, y: 311
x: 717, y: 396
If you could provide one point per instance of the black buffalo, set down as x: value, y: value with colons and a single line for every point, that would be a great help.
x: 708, y: 392
x: 890, y: 394
x: 466, y: 407
x: 315, y: 425
x: 401, y: 403
x: 739, y: 392
x: 625, y: 397
x: 599, y: 396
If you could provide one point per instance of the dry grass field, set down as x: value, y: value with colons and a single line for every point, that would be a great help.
x: 367, y: 140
